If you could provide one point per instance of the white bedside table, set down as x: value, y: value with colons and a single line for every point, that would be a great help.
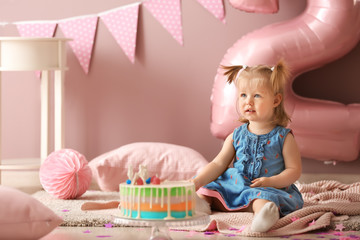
x: 44, y: 54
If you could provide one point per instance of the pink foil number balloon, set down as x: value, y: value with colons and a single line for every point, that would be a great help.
x: 65, y: 174
x: 324, y: 32
x: 257, y: 6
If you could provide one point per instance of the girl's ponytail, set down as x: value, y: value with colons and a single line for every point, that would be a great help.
x: 279, y: 76
x: 232, y: 72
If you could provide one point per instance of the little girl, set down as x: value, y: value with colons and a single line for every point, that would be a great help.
x: 267, y: 160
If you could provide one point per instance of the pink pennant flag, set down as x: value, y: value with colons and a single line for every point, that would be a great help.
x: 122, y: 23
x: 168, y: 13
x: 216, y: 7
x: 36, y: 28
x: 44, y: 29
x: 82, y: 30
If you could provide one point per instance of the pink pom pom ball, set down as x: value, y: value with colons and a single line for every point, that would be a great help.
x: 65, y: 174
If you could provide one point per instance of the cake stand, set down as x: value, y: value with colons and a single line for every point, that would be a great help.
x: 160, y: 228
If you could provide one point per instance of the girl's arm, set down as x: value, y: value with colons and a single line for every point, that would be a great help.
x: 293, y: 168
x: 217, y: 166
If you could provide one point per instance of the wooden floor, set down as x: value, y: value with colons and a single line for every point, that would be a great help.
x: 76, y: 233
x: 29, y: 183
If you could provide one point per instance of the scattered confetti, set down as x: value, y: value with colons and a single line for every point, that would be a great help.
x: 65, y: 210
x: 87, y: 231
x: 339, y: 227
x: 354, y: 236
x: 103, y: 236
x: 293, y: 219
x: 209, y: 233
x: 233, y: 229
x: 242, y: 228
x: 230, y: 235
x: 108, y: 225
x: 312, y: 223
x: 338, y: 234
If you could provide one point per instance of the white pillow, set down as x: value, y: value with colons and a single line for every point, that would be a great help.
x: 168, y: 161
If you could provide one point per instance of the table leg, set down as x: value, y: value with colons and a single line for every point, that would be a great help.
x: 58, y: 110
x: 0, y: 128
x: 44, y: 139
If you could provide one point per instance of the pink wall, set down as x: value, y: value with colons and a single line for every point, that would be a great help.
x: 164, y: 96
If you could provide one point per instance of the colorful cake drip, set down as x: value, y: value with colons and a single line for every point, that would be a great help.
x: 154, y: 199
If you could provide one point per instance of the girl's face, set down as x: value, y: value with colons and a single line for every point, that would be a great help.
x: 257, y: 102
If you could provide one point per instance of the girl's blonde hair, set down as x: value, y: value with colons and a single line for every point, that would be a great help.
x: 275, y: 77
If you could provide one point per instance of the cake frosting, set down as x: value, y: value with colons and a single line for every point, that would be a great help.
x: 149, y: 198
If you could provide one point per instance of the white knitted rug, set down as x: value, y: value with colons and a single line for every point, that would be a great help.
x: 70, y: 210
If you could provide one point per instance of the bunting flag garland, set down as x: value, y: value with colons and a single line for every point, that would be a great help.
x: 82, y: 30
x: 168, y: 13
x: 216, y: 7
x: 36, y: 29
x: 122, y: 23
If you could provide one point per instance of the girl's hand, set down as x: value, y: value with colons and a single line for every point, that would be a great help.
x: 261, y: 182
x: 195, y: 183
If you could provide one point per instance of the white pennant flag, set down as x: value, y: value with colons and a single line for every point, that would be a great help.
x: 216, y: 7
x: 122, y: 23
x: 82, y: 30
x: 168, y: 13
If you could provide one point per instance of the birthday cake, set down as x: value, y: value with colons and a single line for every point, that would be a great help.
x: 143, y: 197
